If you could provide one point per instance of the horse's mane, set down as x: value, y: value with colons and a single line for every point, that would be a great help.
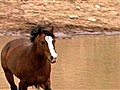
x: 39, y: 30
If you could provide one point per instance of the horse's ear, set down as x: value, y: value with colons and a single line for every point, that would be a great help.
x: 35, y: 31
x: 52, y: 29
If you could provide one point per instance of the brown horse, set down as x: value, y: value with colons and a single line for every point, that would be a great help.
x: 30, y: 62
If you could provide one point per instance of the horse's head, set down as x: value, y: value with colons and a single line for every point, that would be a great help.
x: 45, y: 42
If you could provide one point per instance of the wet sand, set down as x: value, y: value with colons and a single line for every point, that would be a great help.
x: 89, y: 62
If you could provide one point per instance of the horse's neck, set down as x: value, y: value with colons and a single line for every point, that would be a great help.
x: 36, y: 57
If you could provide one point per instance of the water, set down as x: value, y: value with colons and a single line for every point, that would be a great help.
x: 85, y: 62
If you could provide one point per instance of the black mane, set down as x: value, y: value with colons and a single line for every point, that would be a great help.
x: 40, y: 30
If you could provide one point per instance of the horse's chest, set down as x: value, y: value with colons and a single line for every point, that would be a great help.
x: 35, y: 74
x: 38, y: 78
x: 41, y: 74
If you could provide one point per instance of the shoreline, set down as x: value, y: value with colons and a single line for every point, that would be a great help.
x: 60, y: 34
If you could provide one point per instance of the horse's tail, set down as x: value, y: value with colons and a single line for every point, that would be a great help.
x: 4, y: 53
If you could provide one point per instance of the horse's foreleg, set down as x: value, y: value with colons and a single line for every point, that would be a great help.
x: 10, y: 79
x: 48, y: 88
x: 37, y: 87
x: 47, y: 85
x: 22, y: 85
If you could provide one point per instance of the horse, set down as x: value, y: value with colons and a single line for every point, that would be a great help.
x: 30, y: 59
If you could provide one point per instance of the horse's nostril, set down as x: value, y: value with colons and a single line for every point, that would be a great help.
x: 51, y: 57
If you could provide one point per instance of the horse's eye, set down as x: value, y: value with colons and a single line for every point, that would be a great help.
x: 54, y: 41
x: 42, y: 42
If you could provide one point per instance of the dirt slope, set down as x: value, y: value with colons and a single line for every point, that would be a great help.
x: 65, y: 15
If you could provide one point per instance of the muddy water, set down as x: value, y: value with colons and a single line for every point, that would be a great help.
x: 85, y: 62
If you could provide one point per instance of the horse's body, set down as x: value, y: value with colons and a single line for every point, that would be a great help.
x: 27, y: 61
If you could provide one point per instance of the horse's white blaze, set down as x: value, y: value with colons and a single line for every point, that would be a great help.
x: 49, y: 40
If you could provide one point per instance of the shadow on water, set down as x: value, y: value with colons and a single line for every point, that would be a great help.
x: 85, y: 62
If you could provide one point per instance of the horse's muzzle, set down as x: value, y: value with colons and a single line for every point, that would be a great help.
x: 52, y: 59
